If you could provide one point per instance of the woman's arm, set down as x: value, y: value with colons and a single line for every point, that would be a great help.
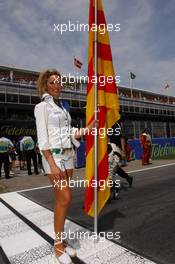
x: 41, y: 117
x: 43, y: 139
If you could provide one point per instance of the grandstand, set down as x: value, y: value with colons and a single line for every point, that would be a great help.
x: 139, y: 108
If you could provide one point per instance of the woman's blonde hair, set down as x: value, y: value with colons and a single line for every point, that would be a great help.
x: 43, y: 78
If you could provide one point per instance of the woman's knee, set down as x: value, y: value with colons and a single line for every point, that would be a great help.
x: 64, y: 198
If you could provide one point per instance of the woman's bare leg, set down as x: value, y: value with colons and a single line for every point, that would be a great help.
x: 63, y: 197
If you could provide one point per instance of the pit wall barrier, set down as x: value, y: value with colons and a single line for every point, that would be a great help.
x: 161, y: 148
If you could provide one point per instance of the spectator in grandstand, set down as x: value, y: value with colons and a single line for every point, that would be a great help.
x: 121, y: 94
x: 27, y: 146
x: 5, y: 147
x: 145, y: 140
x: 55, y: 138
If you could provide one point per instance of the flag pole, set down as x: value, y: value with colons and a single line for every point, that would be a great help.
x: 166, y: 86
x: 95, y: 117
x: 75, y: 84
x: 168, y: 94
x: 79, y: 79
x: 168, y: 97
x: 131, y: 84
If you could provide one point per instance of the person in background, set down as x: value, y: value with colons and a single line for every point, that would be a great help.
x: 5, y: 147
x: 113, y: 162
x: 128, y: 151
x: 123, y: 160
x: 118, y: 139
x: 27, y: 146
x: 39, y: 159
x: 12, y: 157
x: 146, y: 142
x: 20, y: 154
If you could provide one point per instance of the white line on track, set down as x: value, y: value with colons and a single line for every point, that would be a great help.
x: 31, y: 189
x: 155, y: 167
x: 49, y: 186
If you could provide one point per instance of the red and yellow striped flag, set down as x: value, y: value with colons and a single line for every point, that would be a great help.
x: 108, y: 109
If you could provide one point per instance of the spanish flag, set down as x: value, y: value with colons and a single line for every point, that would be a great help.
x: 108, y: 107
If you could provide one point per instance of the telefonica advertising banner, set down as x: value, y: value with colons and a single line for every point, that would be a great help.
x: 161, y: 148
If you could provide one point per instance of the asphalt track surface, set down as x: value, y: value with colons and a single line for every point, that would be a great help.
x: 145, y: 214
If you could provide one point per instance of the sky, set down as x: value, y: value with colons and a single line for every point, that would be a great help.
x: 145, y: 44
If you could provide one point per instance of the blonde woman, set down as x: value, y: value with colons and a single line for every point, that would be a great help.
x: 55, y: 139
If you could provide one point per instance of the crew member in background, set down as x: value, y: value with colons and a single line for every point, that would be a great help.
x: 128, y: 151
x: 118, y: 139
x: 5, y: 147
x: 20, y: 154
x: 27, y: 146
x: 113, y: 163
x: 123, y: 160
x: 145, y: 140
x: 12, y: 157
x: 39, y: 159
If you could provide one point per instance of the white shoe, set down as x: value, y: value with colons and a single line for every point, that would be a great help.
x: 70, y: 251
x: 63, y: 258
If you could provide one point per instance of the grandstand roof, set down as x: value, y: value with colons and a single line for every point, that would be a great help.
x: 11, y: 67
